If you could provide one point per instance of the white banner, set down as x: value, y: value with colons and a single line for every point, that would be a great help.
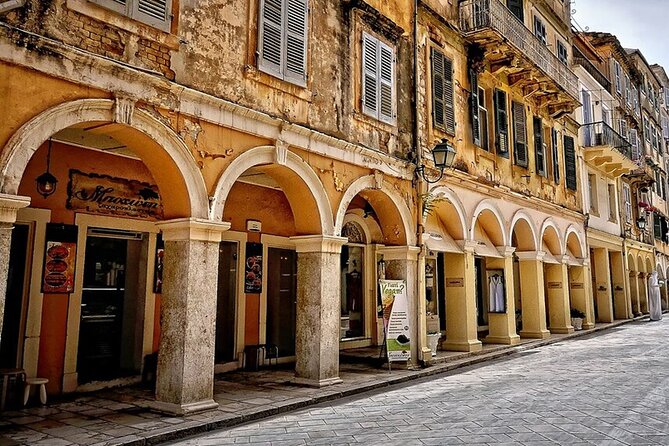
x: 396, y: 319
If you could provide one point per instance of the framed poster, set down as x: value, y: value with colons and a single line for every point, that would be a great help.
x: 253, y: 268
x: 496, y: 291
x: 59, y: 259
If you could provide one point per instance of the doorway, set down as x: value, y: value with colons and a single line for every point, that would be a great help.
x: 13, y: 325
x: 281, y: 299
x: 112, y: 305
x: 225, y: 307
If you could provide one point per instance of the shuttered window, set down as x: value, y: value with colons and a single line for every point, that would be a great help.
x: 634, y: 141
x: 556, y: 160
x: 617, y: 73
x: 627, y: 198
x: 282, y: 39
x: 501, y: 123
x: 156, y: 13
x: 540, y: 30
x: 474, y: 107
x: 539, y: 149
x: 378, y: 79
x: 443, y: 112
x: 519, y: 133
x: 569, y: 162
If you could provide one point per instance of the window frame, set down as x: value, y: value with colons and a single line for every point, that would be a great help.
x: 540, y: 30
x: 627, y: 202
x: 448, y: 85
x: 131, y: 10
x: 380, y: 46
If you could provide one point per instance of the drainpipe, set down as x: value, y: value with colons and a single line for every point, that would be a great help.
x: 424, y: 354
x: 11, y: 4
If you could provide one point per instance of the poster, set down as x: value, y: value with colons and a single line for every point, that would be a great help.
x: 396, y: 319
x: 104, y: 194
x: 253, y: 268
x: 59, y: 259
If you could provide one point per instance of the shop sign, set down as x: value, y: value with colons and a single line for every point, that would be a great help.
x: 576, y: 286
x: 253, y: 268
x: 104, y: 194
x: 59, y: 259
x: 396, y: 319
x: 456, y: 282
x: 554, y: 285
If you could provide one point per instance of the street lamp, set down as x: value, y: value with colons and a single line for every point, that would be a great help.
x: 443, y: 155
x: 641, y: 222
x: 46, y: 183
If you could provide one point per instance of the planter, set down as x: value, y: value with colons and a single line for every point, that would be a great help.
x: 577, y: 322
x: 433, y: 342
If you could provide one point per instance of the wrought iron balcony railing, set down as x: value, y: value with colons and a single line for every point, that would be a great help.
x: 481, y: 15
x: 580, y: 59
x: 599, y: 134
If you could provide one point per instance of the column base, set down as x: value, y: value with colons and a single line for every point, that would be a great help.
x: 70, y: 382
x: 507, y: 340
x: 462, y: 346
x: 182, y: 409
x: 588, y: 326
x: 317, y: 383
x: 562, y: 330
x: 542, y: 334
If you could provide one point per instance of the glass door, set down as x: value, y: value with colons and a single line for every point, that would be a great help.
x: 281, y: 299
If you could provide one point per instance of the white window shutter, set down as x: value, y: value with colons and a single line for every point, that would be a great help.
x: 386, y: 70
x: 296, y: 41
x: 271, y: 37
x: 153, y: 12
x: 370, y: 86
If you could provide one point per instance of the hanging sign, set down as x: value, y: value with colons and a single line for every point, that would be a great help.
x: 253, y: 268
x: 396, y: 319
x: 104, y: 194
x: 59, y: 259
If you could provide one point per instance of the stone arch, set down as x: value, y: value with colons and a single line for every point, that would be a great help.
x: 385, y: 196
x: 491, y: 220
x: 550, y: 236
x: 574, y: 243
x: 451, y: 206
x: 310, y: 186
x: 631, y: 263
x: 526, y: 234
x: 175, y: 156
x: 371, y: 230
x: 640, y: 264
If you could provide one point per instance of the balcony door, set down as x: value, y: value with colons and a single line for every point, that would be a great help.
x: 587, y: 116
x: 516, y: 8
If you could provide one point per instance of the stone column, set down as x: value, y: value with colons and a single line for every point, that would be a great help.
x: 580, y: 294
x: 532, y: 294
x: 557, y: 295
x: 185, y: 378
x: 620, y: 293
x: 9, y: 207
x: 502, y: 326
x: 460, y: 280
x: 602, y: 284
x: 318, y: 309
x: 402, y: 263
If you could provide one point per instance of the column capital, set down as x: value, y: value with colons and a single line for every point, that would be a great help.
x: 319, y: 243
x: 530, y: 255
x: 10, y: 205
x: 469, y: 246
x: 197, y: 229
x: 399, y: 252
x: 506, y: 251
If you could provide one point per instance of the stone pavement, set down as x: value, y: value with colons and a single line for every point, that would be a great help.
x: 121, y: 416
x: 611, y: 389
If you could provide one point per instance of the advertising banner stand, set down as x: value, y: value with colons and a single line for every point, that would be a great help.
x: 396, y: 324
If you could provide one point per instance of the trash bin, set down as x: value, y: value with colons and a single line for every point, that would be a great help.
x: 252, y: 357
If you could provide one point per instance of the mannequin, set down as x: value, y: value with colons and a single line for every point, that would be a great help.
x: 654, y: 302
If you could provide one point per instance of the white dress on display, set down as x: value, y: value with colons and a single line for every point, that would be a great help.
x: 654, y: 302
x: 496, y: 294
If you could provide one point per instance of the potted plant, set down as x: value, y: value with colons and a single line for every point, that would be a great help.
x: 577, y: 317
x: 433, y: 341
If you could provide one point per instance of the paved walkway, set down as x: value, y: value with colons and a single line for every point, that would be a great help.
x: 611, y: 389
x: 121, y: 416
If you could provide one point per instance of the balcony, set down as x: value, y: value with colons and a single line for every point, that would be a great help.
x: 561, y: 9
x: 607, y: 150
x: 590, y: 68
x: 510, y: 46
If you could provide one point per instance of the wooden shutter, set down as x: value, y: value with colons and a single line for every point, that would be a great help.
x: 519, y: 133
x: 370, y: 88
x: 119, y: 6
x: 634, y: 141
x: 271, y: 37
x: 474, y: 107
x: 437, y: 88
x: 569, y: 162
x: 539, y: 152
x: 386, y: 83
x: 516, y: 7
x: 296, y: 41
x: 449, y: 106
x: 501, y: 123
x: 556, y: 160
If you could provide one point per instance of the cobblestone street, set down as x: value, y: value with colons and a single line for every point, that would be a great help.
x: 608, y: 389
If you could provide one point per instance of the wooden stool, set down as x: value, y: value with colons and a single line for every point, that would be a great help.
x: 7, y: 374
x: 35, y: 382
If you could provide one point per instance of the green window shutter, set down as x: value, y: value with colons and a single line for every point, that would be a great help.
x: 539, y: 152
x: 474, y: 107
x: 519, y: 133
x: 385, y: 107
x: 501, y: 123
x: 296, y: 41
x: 370, y: 87
x: 271, y: 37
x: 437, y: 88
x: 449, y: 106
x: 556, y: 160
x: 569, y: 162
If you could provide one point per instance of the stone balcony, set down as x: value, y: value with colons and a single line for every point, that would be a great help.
x: 511, y: 47
x: 607, y: 150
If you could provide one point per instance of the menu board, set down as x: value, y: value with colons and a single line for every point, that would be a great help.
x: 253, y: 268
x: 59, y: 259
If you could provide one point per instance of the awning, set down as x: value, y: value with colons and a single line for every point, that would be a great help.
x: 484, y: 246
x: 437, y: 239
x: 548, y: 257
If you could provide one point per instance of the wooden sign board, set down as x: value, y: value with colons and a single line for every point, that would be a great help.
x: 455, y: 282
x: 576, y: 286
x: 554, y: 285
